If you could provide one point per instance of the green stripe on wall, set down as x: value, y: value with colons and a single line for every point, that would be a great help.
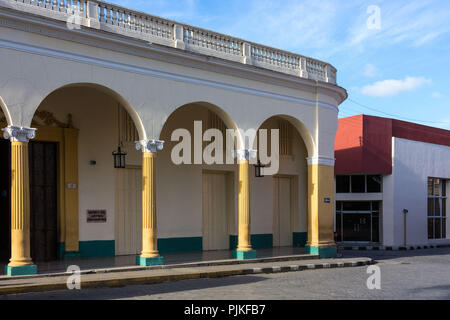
x: 259, y: 241
x: 97, y: 248
x: 175, y: 245
x: 299, y: 239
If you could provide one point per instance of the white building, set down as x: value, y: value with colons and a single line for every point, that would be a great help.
x: 69, y: 69
x: 392, y: 182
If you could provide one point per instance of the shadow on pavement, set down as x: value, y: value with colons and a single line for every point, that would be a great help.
x: 132, y: 291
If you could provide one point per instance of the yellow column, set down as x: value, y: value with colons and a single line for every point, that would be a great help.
x: 244, y: 249
x: 20, y: 262
x: 149, y: 255
x: 321, y: 210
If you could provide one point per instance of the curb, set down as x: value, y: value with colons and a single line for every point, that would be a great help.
x: 393, y: 248
x: 145, y: 280
x: 170, y: 266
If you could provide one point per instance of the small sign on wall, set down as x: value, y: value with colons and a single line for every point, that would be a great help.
x: 96, y: 216
x: 327, y: 200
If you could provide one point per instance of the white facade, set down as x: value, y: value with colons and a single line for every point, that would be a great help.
x: 164, y: 83
x: 413, y: 163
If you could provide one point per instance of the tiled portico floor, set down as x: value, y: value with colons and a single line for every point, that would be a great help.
x: 169, y: 258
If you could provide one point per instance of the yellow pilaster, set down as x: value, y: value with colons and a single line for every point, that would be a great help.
x: 149, y: 232
x: 20, y: 206
x: 244, y: 207
x: 320, y: 210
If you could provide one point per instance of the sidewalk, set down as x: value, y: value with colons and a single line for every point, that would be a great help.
x: 123, y: 276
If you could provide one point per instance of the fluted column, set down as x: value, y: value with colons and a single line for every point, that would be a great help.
x: 244, y: 249
x: 149, y: 255
x: 20, y: 262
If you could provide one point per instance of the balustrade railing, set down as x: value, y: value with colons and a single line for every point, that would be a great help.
x: 113, y: 18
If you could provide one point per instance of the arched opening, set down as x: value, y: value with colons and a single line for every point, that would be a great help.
x: 279, y: 200
x: 196, y: 201
x: 80, y: 204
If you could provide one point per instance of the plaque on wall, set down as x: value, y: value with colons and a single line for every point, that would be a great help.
x: 96, y: 216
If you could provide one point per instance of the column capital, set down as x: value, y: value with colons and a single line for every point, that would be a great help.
x: 245, y: 154
x: 321, y: 161
x: 19, y: 134
x: 150, y: 145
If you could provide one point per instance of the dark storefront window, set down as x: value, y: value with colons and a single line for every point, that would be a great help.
x: 358, y: 221
x: 358, y: 183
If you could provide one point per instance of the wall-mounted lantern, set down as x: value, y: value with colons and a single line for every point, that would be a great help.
x: 119, y: 156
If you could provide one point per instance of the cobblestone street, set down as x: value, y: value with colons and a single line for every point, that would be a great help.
x: 417, y: 274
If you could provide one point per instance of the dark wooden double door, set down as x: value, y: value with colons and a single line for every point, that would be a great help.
x: 43, y: 200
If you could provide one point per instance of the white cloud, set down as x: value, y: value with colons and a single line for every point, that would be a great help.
x: 436, y: 95
x: 392, y: 87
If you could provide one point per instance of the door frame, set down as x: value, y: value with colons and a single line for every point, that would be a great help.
x: 67, y: 185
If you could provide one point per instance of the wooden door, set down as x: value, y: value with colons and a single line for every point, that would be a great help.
x: 282, y: 215
x: 128, y: 211
x: 43, y: 200
x: 215, y: 215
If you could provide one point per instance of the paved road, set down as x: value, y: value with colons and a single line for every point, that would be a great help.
x: 404, y: 275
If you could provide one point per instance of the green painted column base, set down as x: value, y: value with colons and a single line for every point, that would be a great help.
x: 323, y: 252
x: 244, y: 255
x: 21, y: 270
x: 154, y: 261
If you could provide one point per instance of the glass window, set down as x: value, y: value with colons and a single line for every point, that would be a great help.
x: 430, y: 229
x: 373, y: 183
x: 437, y: 187
x: 356, y: 206
x: 358, y: 184
x: 430, y: 207
x: 342, y: 184
x: 444, y: 228
x: 437, y: 208
x: 375, y: 206
x: 430, y: 186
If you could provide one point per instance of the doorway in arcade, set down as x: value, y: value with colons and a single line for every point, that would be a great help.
x: 43, y: 200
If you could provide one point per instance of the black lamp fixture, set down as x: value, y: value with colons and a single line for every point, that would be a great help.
x: 259, y: 170
x: 119, y: 156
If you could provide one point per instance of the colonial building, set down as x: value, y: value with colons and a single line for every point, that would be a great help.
x: 81, y: 79
x: 392, y: 182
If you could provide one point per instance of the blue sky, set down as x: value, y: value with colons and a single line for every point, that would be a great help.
x: 399, y: 70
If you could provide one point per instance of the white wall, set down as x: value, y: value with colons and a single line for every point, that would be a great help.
x: 413, y: 163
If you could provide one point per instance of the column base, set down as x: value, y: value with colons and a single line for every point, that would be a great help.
x: 244, y: 255
x: 146, y: 262
x: 323, y: 252
x: 25, y: 270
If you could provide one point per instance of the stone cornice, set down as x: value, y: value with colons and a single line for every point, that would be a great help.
x: 119, y: 43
